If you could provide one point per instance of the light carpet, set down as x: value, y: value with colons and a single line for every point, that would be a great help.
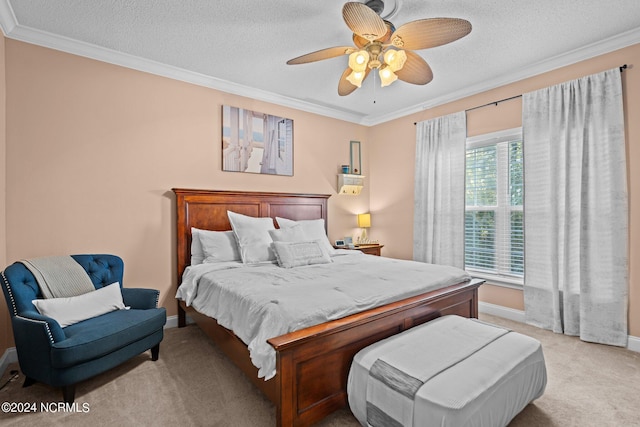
x: 194, y: 384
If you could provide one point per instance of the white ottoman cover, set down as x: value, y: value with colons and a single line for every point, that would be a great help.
x: 452, y: 371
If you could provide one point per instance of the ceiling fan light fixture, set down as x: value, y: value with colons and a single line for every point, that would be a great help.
x: 356, y: 77
x: 387, y: 76
x: 395, y: 59
x: 358, y: 60
x: 380, y: 46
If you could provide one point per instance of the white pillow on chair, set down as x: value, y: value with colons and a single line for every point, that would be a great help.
x: 67, y: 311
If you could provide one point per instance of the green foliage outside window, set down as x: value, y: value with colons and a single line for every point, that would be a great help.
x: 484, y: 243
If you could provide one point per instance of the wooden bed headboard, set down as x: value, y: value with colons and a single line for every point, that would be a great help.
x: 207, y: 210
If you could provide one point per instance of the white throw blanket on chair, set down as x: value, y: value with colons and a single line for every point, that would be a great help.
x: 59, y: 276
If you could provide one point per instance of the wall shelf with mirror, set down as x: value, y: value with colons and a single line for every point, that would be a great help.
x: 350, y: 184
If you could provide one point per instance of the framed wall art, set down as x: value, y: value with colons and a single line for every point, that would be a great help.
x: 256, y: 142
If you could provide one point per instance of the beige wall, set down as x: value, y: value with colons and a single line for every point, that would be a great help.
x: 392, y: 163
x: 94, y: 149
x: 6, y: 340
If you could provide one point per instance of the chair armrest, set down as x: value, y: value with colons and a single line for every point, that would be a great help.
x: 36, y: 327
x: 140, y: 298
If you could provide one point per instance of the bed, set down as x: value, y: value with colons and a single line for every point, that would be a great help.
x: 311, y: 364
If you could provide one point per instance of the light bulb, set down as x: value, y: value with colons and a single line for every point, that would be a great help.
x: 387, y: 76
x: 358, y: 60
x: 356, y: 77
x: 395, y: 59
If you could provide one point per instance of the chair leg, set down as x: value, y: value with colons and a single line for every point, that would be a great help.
x: 28, y: 382
x: 69, y: 393
x: 155, y: 352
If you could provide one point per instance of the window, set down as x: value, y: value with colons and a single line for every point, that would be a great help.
x: 494, y: 220
x: 282, y: 138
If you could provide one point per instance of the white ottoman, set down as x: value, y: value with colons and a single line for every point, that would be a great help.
x: 452, y: 371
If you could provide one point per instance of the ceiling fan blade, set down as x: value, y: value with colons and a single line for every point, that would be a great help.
x: 360, y: 42
x: 363, y: 21
x: 344, y: 86
x: 415, y: 70
x: 322, y: 54
x: 427, y: 33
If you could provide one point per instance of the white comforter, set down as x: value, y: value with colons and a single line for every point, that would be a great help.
x: 264, y: 301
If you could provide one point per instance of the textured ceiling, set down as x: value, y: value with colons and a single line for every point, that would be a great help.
x: 242, y: 46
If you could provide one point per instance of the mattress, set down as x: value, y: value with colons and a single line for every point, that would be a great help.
x: 469, y: 382
x: 265, y: 301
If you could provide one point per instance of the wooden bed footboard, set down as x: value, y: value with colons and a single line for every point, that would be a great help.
x: 313, y: 363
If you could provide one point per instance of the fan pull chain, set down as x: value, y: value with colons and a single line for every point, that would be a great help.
x: 374, y: 88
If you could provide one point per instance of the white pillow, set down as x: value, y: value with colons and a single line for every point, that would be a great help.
x: 253, y: 237
x: 219, y: 246
x: 289, y: 234
x: 313, y: 229
x: 67, y: 311
x: 197, y: 254
x: 295, y: 254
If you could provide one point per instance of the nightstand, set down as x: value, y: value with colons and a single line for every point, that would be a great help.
x: 370, y: 249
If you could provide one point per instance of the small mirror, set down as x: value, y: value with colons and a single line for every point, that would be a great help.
x: 356, y: 163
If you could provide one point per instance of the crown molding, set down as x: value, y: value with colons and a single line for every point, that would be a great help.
x: 8, y: 19
x: 12, y: 29
x: 595, y: 49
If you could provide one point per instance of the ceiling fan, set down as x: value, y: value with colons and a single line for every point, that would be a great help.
x: 379, y: 45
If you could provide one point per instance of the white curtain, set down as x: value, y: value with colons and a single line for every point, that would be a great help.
x: 438, y: 225
x: 576, y: 212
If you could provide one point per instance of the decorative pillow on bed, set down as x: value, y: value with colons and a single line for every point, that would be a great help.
x: 253, y: 237
x: 313, y: 228
x: 296, y: 254
x: 197, y: 255
x: 67, y: 311
x: 289, y: 234
x: 219, y: 246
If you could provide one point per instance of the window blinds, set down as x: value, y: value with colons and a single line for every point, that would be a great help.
x: 494, y: 221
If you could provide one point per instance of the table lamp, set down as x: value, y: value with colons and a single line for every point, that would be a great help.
x: 364, y: 222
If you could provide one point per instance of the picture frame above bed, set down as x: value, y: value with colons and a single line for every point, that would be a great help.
x: 256, y: 142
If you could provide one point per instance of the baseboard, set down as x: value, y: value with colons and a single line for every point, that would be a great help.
x: 10, y: 356
x: 172, y: 321
x: 633, y: 343
x: 500, y: 311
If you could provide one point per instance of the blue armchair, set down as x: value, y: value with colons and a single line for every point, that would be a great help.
x: 62, y: 357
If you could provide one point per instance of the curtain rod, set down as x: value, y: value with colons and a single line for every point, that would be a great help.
x: 622, y: 68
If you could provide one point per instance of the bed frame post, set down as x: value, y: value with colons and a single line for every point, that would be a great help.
x: 182, y: 316
x: 285, y: 390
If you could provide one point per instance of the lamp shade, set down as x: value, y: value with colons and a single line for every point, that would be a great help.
x: 387, y: 76
x: 364, y: 220
x: 358, y: 60
x: 356, y: 77
x: 395, y: 59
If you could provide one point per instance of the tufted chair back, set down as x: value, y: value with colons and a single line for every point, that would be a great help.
x: 20, y: 286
